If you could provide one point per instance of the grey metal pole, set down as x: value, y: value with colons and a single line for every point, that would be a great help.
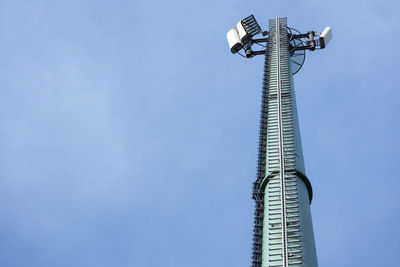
x: 283, y: 233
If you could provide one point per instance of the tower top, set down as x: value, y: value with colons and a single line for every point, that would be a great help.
x: 241, y: 40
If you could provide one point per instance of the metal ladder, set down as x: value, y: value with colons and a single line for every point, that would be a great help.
x: 277, y: 141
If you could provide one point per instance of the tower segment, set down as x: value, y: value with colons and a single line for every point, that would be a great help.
x: 283, y: 231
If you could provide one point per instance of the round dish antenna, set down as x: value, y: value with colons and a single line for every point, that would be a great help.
x: 297, y: 57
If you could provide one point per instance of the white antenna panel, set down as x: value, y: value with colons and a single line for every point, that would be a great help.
x: 325, y: 37
x: 234, y: 41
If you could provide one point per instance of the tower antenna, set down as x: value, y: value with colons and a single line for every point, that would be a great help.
x: 283, y: 233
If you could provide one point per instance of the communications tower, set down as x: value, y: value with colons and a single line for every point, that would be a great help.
x: 283, y: 232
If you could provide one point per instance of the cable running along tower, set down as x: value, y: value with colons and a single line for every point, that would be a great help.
x: 283, y: 232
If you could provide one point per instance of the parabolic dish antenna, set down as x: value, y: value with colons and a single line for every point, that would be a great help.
x: 297, y: 57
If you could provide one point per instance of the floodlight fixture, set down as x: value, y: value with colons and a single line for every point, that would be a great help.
x: 247, y: 28
x: 251, y: 26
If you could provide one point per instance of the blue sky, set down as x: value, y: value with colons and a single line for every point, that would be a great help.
x: 128, y: 132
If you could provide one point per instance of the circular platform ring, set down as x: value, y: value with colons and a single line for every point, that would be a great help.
x: 297, y: 57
